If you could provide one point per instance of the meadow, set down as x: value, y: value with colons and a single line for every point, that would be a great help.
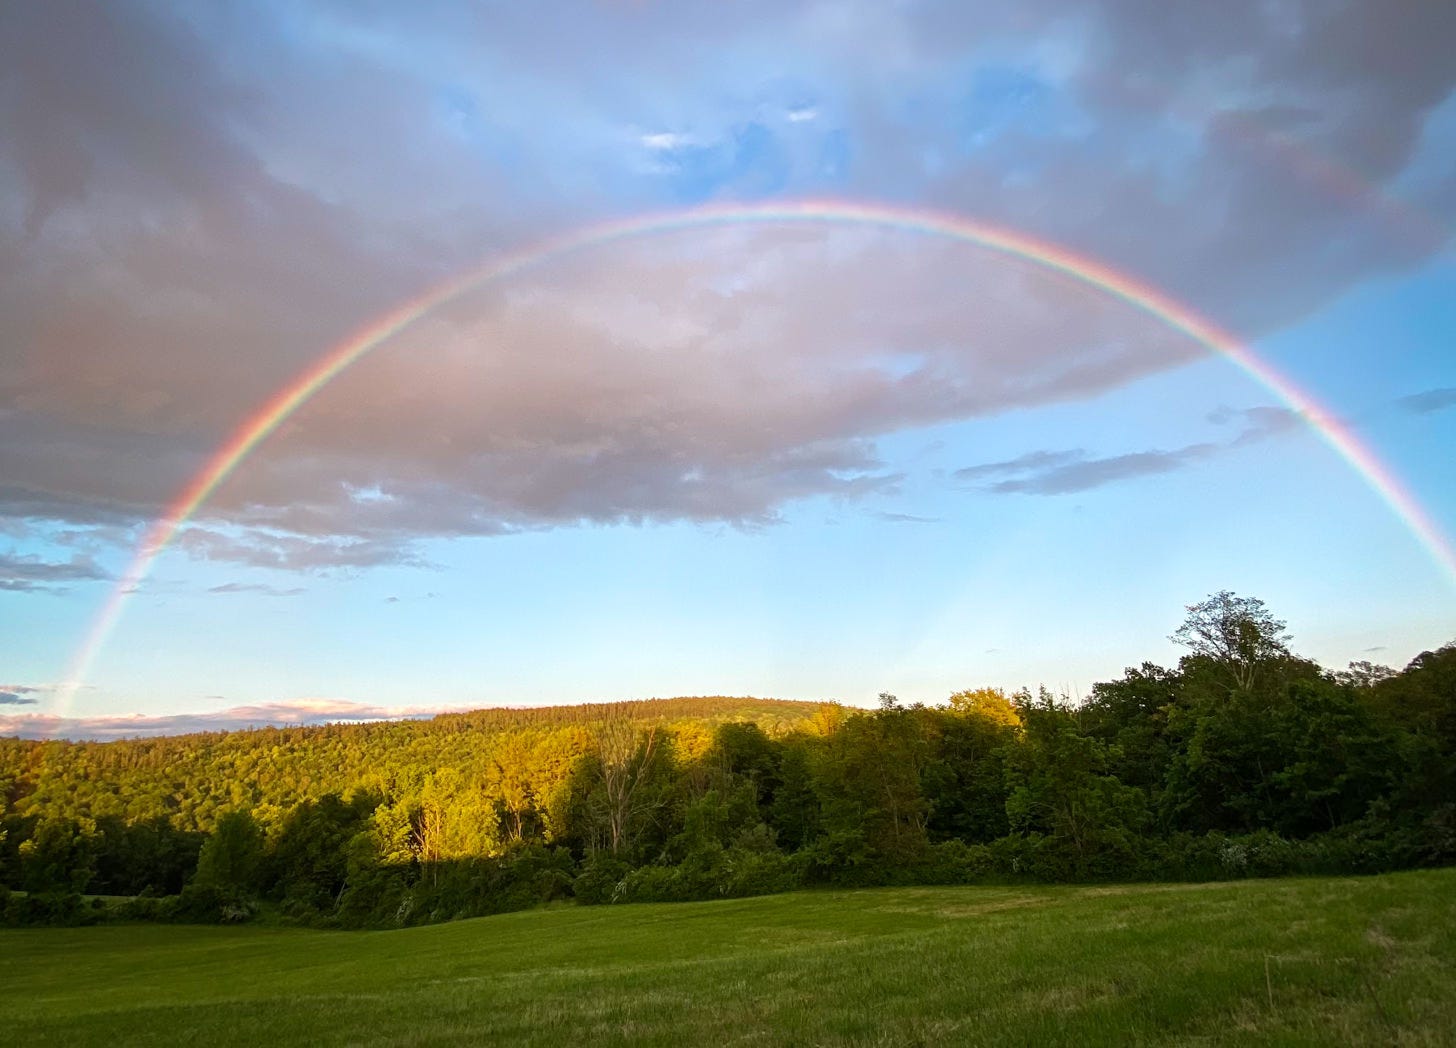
x: 1368, y: 960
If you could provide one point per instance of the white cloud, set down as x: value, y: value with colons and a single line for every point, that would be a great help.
x: 663, y: 141
x: 287, y: 713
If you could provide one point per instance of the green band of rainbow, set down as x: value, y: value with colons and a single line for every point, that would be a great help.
x: 1043, y: 253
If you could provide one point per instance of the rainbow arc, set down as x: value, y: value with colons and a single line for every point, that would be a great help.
x: 1136, y: 293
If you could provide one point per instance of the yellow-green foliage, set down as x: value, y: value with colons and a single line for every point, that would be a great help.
x: 464, y: 775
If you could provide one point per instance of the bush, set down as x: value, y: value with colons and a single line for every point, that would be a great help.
x: 956, y: 862
x: 147, y: 908
x: 755, y: 872
x: 599, y: 879
x: 842, y: 857
x: 653, y: 884
x: 204, y: 904
x: 52, y: 909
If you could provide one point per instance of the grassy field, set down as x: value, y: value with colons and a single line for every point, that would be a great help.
x: 1317, y: 962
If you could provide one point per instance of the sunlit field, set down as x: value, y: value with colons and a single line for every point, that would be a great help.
x: 1318, y: 961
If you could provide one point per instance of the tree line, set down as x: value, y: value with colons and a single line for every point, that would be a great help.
x: 1244, y: 759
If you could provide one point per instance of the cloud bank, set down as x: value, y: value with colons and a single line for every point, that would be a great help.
x: 286, y: 714
x: 195, y: 202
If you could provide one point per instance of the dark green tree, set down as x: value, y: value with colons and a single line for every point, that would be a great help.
x: 1062, y: 796
x: 232, y: 859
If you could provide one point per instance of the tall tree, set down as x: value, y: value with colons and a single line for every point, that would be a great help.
x: 1238, y: 634
x: 232, y: 858
x: 628, y: 754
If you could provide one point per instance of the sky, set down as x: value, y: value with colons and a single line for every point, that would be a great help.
x: 725, y: 450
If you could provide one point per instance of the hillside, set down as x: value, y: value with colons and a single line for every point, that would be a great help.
x: 1327, y: 961
x: 190, y: 779
x: 1229, y: 765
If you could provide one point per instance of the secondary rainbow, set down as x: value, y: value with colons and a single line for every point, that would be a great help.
x: 1136, y: 293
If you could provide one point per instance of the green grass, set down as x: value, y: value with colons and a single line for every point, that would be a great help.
x: 1316, y: 962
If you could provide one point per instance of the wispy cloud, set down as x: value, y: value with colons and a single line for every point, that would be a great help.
x: 1072, y: 470
x: 1077, y: 471
x: 24, y: 574
x: 1031, y: 462
x: 17, y: 695
x: 262, y: 548
x: 1259, y: 423
x: 292, y: 713
x: 907, y: 518
x: 257, y: 587
x: 1429, y: 401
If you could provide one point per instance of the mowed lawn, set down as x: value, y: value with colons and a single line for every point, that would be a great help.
x: 1318, y: 962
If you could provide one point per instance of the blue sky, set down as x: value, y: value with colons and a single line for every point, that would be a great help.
x: 808, y: 462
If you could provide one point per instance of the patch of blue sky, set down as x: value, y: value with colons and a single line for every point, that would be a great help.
x: 1365, y: 353
x: 1308, y: 530
x: 1001, y: 100
x: 997, y: 111
x: 1427, y: 185
x: 750, y: 161
x: 836, y: 157
x: 458, y: 112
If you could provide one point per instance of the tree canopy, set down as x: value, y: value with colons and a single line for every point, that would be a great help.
x: 1244, y: 758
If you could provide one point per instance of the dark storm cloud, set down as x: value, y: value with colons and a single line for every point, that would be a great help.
x: 198, y: 200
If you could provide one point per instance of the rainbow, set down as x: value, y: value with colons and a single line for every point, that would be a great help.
x: 1049, y: 256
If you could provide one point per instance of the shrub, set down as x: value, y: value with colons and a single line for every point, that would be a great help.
x: 599, y: 879
x: 53, y: 909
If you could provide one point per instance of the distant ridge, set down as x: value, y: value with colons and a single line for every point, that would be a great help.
x: 313, y: 713
x: 192, y: 778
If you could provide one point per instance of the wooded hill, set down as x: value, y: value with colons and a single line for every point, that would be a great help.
x: 1244, y: 759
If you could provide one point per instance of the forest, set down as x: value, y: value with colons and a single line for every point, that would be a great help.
x: 1244, y: 759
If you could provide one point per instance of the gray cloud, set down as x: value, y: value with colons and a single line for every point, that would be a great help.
x: 1031, y: 462
x: 22, y: 574
x: 1429, y: 401
x: 1082, y: 474
x: 195, y: 203
x: 256, y: 587
x: 17, y: 695
x: 290, y: 552
x: 1073, y: 470
x: 1261, y: 423
x: 907, y: 518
